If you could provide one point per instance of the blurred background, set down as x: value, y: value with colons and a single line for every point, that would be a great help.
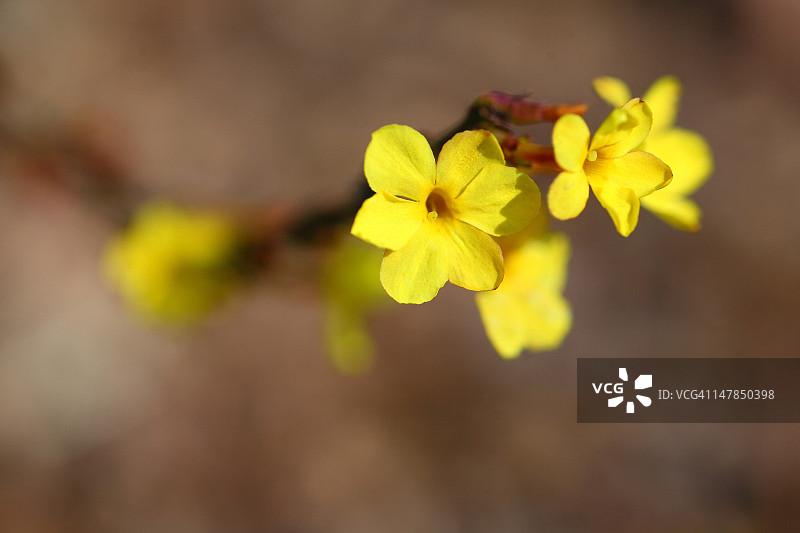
x: 242, y: 424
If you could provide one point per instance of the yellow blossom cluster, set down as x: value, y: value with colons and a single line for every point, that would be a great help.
x: 471, y: 219
x: 470, y: 216
x: 686, y: 152
x: 173, y: 266
x: 618, y: 174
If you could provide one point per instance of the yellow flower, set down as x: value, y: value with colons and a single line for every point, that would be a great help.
x: 686, y: 152
x: 435, y: 220
x: 351, y: 289
x: 173, y: 266
x: 528, y: 310
x: 617, y: 174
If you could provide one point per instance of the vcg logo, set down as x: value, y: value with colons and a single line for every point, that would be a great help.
x: 644, y: 381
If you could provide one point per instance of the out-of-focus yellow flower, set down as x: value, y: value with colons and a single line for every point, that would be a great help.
x: 686, y: 152
x: 435, y: 220
x: 617, y: 174
x: 351, y: 290
x: 528, y: 310
x: 173, y: 266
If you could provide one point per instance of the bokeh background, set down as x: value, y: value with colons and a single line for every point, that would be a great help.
x: 242, y: 425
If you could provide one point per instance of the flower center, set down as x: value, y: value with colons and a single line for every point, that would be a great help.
x: 592, y: 156
x: 437, y: 206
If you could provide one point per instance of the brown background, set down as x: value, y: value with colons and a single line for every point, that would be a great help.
x: 106, y: 425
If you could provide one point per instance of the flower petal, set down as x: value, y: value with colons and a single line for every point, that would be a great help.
x: 415, y: 273
x: 623, y: 130
x: 539, y: 264
x: 640, y: 171
x: 387, y: 221
x: 503, y: 317
x: 474, y: 259
x: 399, y: 161
x: 663, y: 98
x: 548, y: 322
x: 527, y: 310
x: 688, y: 155
x: 570, y: 142
x: 568, y: 194
x: 500, y: 200
x: 676, y: 210
x: 612, y: 90
x: 463, y: 157
x: 620, y: 202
